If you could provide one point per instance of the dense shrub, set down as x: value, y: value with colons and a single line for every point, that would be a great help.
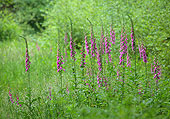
x: 9, y: 29
x: 31, y: 12
x: 6, y: 4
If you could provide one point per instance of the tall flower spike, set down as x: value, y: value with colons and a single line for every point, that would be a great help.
x: 27, y: 62
x: 87, y: 45
x: 99, y: 61
x: 99, y: 80
x: 59, y: 61
x: 132, y: 39
x: 83, y: 57
x: 72, y: 48
x: 112, y: 35
x: 140, y: 51
x: 144, y: 54
x: 156, y: 70
x: 93, y: 46
x: 123, y: 46
x: 107, y: 48
x: 128, y: 60
x: 18, y: 101
x: 10, y: 95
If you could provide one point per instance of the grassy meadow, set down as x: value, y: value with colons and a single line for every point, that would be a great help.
x: 84, y: 59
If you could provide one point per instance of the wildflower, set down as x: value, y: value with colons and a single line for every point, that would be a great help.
x: 132, y: 39
x: 105, y: 80
x: 83, y: 57
x: 144, y: 54
x: 99, y: 61
x: 99, y: 80
x: 10, y: 95
x: 18, y: 101
x: 107, y: 48
x: 140, y: 91
x: 157, y: 71
x: 27, y: 62
x: 128, y: 60
x: 123, y: 47
x: 72, y: 48
x: 140, y: 51
x: 87, y: 45
x: 93, y: 46
x: 59, y: 62
x: 102, y: 81
x: 112, y: 35
x: 67, y: 91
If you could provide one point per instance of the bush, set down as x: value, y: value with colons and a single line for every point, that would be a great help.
x: 30, y: 12
x: 9, y: 29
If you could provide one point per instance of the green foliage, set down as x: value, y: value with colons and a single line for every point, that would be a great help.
x: 31, y: 12
x: 132, y: 100
x: 151, y: 25
x: 9, y: 29
x: 6, y: 4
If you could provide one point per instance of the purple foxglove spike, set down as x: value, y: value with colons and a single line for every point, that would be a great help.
x: 83, y: 57
x: 132, y: 39
x: 27, y: 62
x: 128, y: 61
x: 112, y: 35
x: 123, y: 47
x: 156, y: 70
x: 87, y: 45
x: 59, y: 61
x: 72, y: 44
x: 93, y: 46
x: 99, y: 61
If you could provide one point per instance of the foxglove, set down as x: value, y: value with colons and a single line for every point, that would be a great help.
x: 132, y: 39
x: 72, y: 44
x: 112, y: 35
x: 27, y: 62
x: 123, y: 47
x: 128, y: 60
x: 83, y: 57
x: 87, y: 45
x: 59, y: 61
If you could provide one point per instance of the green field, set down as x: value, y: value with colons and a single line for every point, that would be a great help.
x: 88, y: 59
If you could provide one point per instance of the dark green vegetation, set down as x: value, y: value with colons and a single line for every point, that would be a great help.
x: 44, y: 24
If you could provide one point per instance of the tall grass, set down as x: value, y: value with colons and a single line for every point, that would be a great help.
x: 114, y: 98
